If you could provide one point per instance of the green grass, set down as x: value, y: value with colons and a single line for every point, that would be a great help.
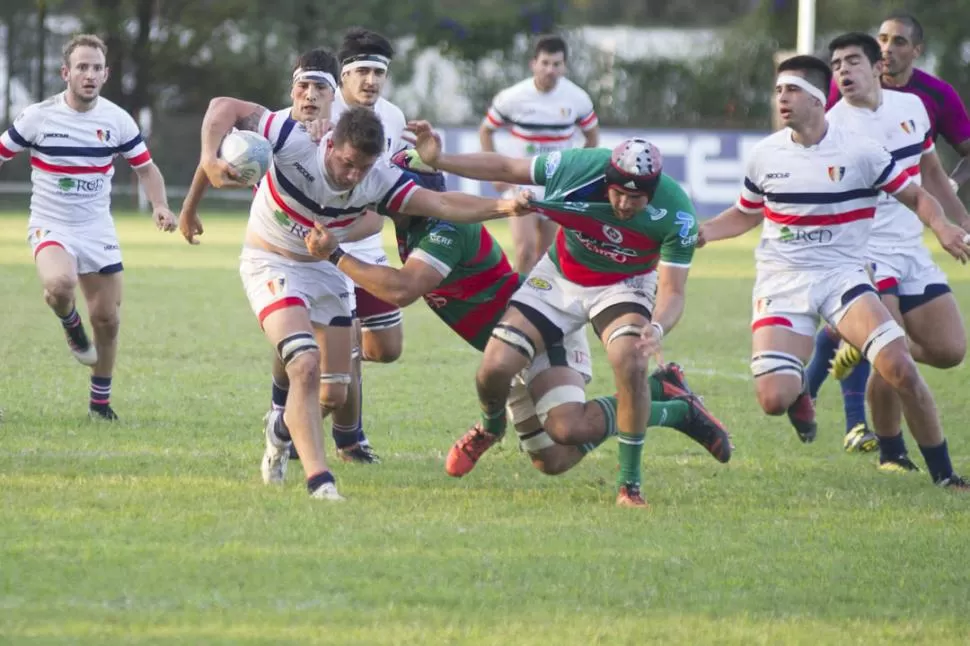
x: 158, y: 530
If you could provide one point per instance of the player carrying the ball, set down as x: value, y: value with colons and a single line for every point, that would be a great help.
x: 465, y: 278
x: 620, y: 260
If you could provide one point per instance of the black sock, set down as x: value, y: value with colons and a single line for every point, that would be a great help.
x: 937, y: 461
x: 891, y: 448
x: 315, y: 482
x: 279, y: 394
x: 344, y: 436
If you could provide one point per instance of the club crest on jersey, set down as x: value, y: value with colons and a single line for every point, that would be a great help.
x: 539, y: 283
x: 908, y: 126
x: 762, y: 305
x: 614, y: 235
x: 104, y: 136
x: 836, y: 173
x: 276, y: 285
x: 565, y: 111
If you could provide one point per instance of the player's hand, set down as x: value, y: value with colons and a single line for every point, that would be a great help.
x: 650, y: 344
x: 190, y: 225
x: 426, y: 141
x: 164, y: 219
x: 221, y: 174
x: 317, y: 128
x: 320, y: 242
x: 517, y: 206
x: 701, y: 240
x: 955, y: 240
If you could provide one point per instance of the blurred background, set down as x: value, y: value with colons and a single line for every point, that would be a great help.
x: 694, y: 75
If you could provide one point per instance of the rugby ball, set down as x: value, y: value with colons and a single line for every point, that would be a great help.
x: 248, y: 153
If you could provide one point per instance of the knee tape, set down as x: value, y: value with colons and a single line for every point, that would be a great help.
x: 519, y: 406
x: 335, y: 378
x: 294, y: 345
x: 556, y: 397
x: 879, y: 338
x: 535, y: 441
x: 770, y: 363
x: 515, y: 338
x: 630, y: 329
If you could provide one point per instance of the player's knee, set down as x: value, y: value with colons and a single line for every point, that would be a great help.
x: 550, y: 463
x: 106, y: 320
x: 333, y: 394
x: 564, y: 423
x: 898, y: 369
x: 387, y: 349
x: 775, y: 401
x: 630, y: 370
x: 59, y: 289
x: 950, y: 355
x: 300, y: 357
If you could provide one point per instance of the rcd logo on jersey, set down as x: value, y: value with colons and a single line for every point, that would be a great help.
x: 74, y: 185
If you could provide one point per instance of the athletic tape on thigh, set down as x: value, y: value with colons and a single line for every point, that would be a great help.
x: 630, y: 329
x: 516, y: 338
x: 335, y: 378
x: 557, y: 396
x: 295, y: 345
x: 769, y: 363
x: 535, y: 441
x: 879, y: 338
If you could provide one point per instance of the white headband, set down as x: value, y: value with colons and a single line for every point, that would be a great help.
x: 365, y: 60
x: 300, y: 74
x: 798, y: 81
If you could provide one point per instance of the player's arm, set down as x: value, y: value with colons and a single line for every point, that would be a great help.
x: 453, y: 206
x: 589, y: 123
x: 955, y: 127
x: 190, y: 224
x: 399, y: 287
x: 20, y: 134
x: 487, y: 166
x: 224, y: 114
x: 747, y: 213
x: 676, y: 255
x: 952, y: 238
x: 937, y: 184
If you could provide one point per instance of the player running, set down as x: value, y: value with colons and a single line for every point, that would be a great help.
x: 901, y: 41
x: 304, y: 305
x: 815, y: 185
x: 542, y: 113
x: 465, y: 278
x: 620, y: 260
x: 73, y: 139
x: 911, y: 285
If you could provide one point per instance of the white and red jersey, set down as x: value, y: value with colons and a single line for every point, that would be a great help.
x: 901, y: 124
x: 296, y: 192
x: 391, y: 116
x: 541, y: 122
x: 818, y: 201
x: 72, y: 158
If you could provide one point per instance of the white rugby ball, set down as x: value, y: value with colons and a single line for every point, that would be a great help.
x: 248, y: 153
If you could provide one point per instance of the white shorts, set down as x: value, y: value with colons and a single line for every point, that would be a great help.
x: 909, y: 273
x: 577, y: 357
x: 97, y: 252
x: 569, y: 306
x: 273, y: 282
x: 374, y: 314
x: 797, y: 299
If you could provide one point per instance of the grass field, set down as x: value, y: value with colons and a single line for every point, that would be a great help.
x: 158, y: 530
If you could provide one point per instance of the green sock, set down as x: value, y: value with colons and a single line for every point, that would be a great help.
x: 656, y: 389
x: 631, y: 452
x: 671, y: 414
x: 494, y: 422
x: 608, y: 405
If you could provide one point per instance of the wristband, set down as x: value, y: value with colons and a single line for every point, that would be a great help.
x: 659, y: 328
x: 337, y: 254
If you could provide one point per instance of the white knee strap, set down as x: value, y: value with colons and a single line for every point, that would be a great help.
x: 879, y: 338
x: 631, y: 329
x: 519, y: 405
x: 556, y: 397
x: 773, y: 363
x: 335, y: 378
x: 535, y: 441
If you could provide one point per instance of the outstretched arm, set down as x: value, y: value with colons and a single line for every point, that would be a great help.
x: 453, y: 206
x: 487, y: 166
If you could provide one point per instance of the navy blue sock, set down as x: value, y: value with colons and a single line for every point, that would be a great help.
x: 854, y: 395
x: 344, y: 436
x: 891, y: 448
x: 818, y: 369
x: 100, y: 392
x: 279, y: 394
x: 314, y: 482
x: 361, y: 438
x: 937, y: 461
